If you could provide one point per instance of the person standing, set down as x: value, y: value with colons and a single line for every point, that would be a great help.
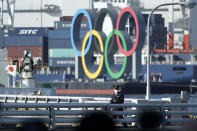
x: 160, y: 77
x: 117, y: 98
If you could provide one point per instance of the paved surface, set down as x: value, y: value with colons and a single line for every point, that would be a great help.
x: 70, y: 128
x: 73, y: 129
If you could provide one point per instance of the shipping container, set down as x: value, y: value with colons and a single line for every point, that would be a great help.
x: 18, y: 52
x: 64, y: 34
x: 62, y: 24
x: 61, y: 62
x: 61, y: 53
x: 1, y: 38
x: 27, y: 31
x: 66, y: 18
x: 59, y: 43
x: 38, y: 62
x: 25, y: 41
x: 158, y: 37
x: 69, y: 18
x: 59, y: 34
x: 67, y: 24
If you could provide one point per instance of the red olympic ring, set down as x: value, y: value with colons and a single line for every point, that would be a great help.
x: 132, y: 12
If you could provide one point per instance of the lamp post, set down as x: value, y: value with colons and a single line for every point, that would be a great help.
x: 184, y: 4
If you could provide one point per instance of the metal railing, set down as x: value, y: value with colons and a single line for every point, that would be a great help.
x: 54, y: 99
x: 72, y: 113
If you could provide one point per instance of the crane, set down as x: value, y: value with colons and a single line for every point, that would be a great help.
x: 11, y: 11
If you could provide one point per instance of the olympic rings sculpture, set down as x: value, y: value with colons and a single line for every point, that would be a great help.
x: 96, y: 40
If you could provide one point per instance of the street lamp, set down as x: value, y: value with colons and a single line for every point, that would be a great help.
x: 188, y: 5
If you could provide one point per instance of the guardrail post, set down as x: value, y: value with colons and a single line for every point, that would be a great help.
x: 52, y: 118
x: 15, y: 100
x: 58, y: 101
x: 6, y: 98
x: 69, y: 101
x: 26, y: 99
x: 191, y: 90
x: 162, y: 109
x: 185, y: 96
x: 107, y: 108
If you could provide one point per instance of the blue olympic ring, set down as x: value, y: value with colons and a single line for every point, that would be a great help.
x: 85, y: 12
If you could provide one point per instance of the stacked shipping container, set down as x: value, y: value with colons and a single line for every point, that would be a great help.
x: 60, y: 48
x: 193, y: 29
x: 20, y: 39
x: 61, y: 53
x: 158, y: 31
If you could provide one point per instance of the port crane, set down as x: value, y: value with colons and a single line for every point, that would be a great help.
x: 11, y: 10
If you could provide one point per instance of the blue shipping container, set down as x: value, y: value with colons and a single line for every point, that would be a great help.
x: 64, y: 34
x: 59, y: 43
x: 67, y: 25
x: 1, y: 38
x: 24, y: 41
x: 62, y: 24
x: 61, y: 62
x: 27, y: 31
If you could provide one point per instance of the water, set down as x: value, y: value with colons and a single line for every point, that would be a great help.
x: 192, y: 99
x: 153, y: 96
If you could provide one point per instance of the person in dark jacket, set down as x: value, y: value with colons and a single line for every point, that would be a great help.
x: 117, y: 98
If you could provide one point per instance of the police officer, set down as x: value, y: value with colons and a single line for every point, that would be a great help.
x: 117, y: 98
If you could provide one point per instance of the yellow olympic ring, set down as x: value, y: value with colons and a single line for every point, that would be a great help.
x: 95, y: 74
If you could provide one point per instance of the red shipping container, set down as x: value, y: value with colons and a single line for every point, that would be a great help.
x: 66, y: 18
x: 14, y: 51
x: 69, y: 18
x: 18, y: 52
x: 19, y: 60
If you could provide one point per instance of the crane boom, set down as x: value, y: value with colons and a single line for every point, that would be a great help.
x: 11, y: 10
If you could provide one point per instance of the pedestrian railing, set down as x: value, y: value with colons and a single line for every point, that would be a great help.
x: 55, y: 114
x: 54, y: 99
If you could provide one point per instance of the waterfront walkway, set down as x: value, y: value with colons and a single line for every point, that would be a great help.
x: 60, y: 113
